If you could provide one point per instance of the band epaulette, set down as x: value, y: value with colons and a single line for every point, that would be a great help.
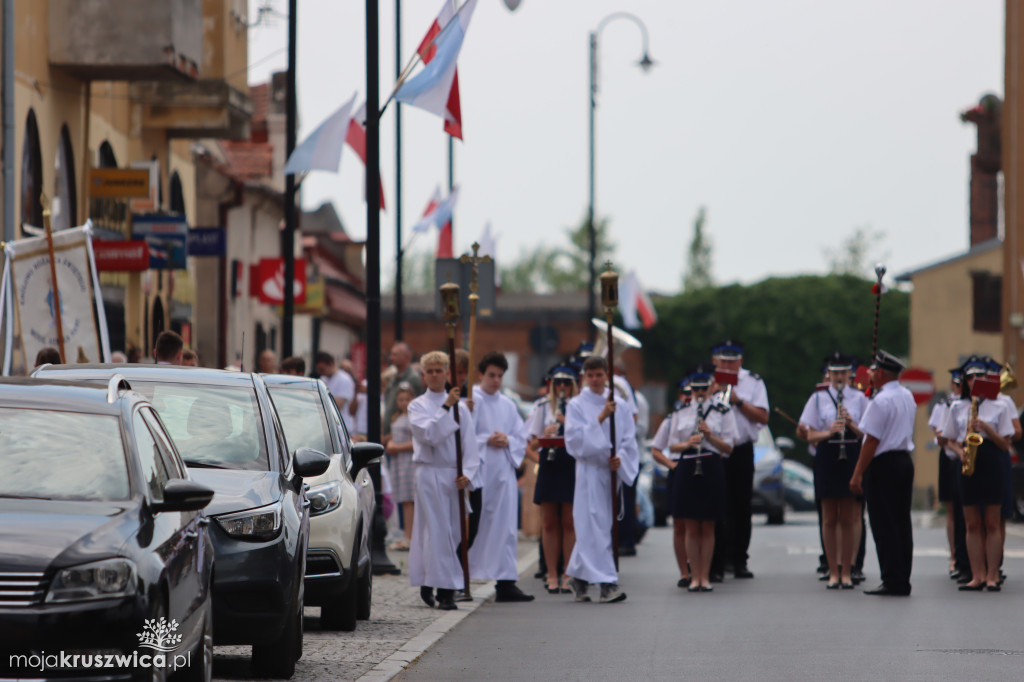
x: 756, y: 375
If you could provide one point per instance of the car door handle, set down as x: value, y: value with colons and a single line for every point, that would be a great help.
x: 204, y: 521
x: 305, y: 504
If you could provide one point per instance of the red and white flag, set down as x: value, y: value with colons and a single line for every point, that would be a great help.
x: 634, y: 304
x: 436, y: 87
x: 356, y: 139
x: 427, y: 220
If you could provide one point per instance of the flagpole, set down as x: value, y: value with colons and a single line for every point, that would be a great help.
x: 399, y: 311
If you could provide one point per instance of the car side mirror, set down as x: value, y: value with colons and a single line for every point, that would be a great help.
x: 784, y: 444
x: 182, y: 494
x: 310, y: 462
x: 365, y: 454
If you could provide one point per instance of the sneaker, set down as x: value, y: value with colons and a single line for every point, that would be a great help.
x: 610, y: 593
x: 580, y: 588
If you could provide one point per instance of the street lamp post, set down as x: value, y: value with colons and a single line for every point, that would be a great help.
x: 645, y: 63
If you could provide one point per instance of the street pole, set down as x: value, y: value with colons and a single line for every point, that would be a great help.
x: 451, y: 183
x: 288, y: 236
x: 381, y: 564
x: 399, y: 312
x: 8, y: 120
x: 591, y: 229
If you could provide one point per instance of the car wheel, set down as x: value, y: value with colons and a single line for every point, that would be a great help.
x: 776, y: 517
x: 202, y: 670
x: 277, y: 659
x: 364, y: 594
x: 340, y: 614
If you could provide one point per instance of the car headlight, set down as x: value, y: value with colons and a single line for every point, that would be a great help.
x: 262, y: 523
x: 324, y: 498
x: 105, y: 579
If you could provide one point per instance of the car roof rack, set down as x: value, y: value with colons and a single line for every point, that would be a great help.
x: 115, y: 385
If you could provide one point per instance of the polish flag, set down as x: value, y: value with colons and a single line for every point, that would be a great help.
x: 436, y: 87
x: 444, y: 241
x: 322, y: 149
x: 427, y: 220
x: 356, y: 139
x: 634, y: 304
x: 443, y: 219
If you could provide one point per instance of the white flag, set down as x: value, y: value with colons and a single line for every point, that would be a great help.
x: 322, y: 149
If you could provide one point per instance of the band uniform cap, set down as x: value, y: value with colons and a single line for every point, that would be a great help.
x: 684, y: 385
x: 730, y: 349
x: 974, y: 366
x: 562, y: 372
x: 584, y: 351
x: 888, y: 362
x: 701, y: 376
x: 837, y: 362
x: 993, y: 366
x: 956, y: 375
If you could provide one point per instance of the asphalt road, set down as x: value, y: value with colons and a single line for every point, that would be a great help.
x: 783, y: 625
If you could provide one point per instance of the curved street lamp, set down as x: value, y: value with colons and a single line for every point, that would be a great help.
x: 645, y: 63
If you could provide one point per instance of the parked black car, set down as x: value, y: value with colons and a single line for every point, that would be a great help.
x: 231, y: 439
x: 103, y: 547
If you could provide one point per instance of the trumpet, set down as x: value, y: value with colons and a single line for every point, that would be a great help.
x: 972, y: 441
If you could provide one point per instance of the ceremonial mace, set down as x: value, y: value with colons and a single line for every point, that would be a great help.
x: 55, y: 290
x: 450, y: 312
x: 877, y: 290
x: 610, y: 300
x: 474, y: 287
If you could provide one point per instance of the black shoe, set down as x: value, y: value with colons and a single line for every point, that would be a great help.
x: 846, y: 586
x: 954, y: 574
x: 823, y: 570
x: 693, y: 588
x: 684, y: 582
x: 743, y: 572
x: 993, y: 588
x: 715, y: 577
x: 511, y: 592
x: 627, y: 551
x: 857, y: 576
x: 972, y: 588
x: 707, y: 588
x: 823, y: 576
x: 964, y: 579
x: 427, y: 595
x: 446, y: 600
x: 884, y: 590
x: 832, y: 586
x: 541, y: 574
x: 460, y: 595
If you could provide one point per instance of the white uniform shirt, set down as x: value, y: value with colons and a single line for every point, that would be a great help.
x: 751, y: 389
x: 1010, y: 405
x: 821, y: 409
x: 938, y: 419
x: 341, y: 385
x: 681, y: 424
x: 992, y: 412
x: 542, y: 416
x: 889, y: 417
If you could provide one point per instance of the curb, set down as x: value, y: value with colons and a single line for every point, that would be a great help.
x: 415, y: 647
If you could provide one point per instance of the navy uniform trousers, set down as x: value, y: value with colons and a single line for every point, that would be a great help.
x: 889, y: 489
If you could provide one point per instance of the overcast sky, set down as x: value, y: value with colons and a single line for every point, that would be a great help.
x: 793, y: 122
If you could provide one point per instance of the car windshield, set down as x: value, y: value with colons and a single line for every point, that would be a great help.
x: 303, y: 419
x: 61, y: 455
x: 213, y: 426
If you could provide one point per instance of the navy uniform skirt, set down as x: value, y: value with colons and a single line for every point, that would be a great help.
x: 831, y: 474
x: 699, y: 498
x: 985, y: 486
x: 556, y: 477
x: 949, y: 477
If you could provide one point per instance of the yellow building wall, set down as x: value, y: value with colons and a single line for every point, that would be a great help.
x: 941, y: 333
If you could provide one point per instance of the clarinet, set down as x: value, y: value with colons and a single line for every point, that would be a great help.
x: 697, y: 469
x: 561, y: 427
x: 842, y: 436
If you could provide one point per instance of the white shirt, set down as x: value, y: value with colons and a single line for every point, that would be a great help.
x: 681, y: 424
x: 342, y: 386
x: 938, y: 418
x: 751, y: 389
x: 993, y: 412
x: 889, y: 417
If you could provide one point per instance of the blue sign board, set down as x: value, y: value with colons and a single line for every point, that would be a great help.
x: 206, y: 241
x: 166, y: 236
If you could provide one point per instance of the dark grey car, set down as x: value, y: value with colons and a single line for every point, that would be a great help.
x: 231, y: 440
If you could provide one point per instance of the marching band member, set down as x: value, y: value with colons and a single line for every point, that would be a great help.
x: 702, y: 434
x: 982, y: 490
x: 830, y: 417
x: 556, y: 476
x: 663, y: 455
x: 995, y: 372
x: 588, y: 440
x: 949, y: 481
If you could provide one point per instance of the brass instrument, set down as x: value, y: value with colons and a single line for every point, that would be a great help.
x: 1007, y: 379
x: 972, y: 441
x: 697, y: 470
x: 560, y: 411
x: 842, y: 436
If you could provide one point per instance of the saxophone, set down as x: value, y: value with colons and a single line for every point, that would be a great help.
x: 972, y: 441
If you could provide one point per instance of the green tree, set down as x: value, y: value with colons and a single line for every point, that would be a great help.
x: 698, y: 258
x: 857, y: 254
x: 560, y: 268
x: 788, y: 326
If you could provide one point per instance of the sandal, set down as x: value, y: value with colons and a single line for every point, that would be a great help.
x: 399, y: 545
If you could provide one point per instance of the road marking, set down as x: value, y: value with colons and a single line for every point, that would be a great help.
x: 918, y: 551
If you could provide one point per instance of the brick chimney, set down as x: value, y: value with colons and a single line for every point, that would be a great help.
x: 986, y: 165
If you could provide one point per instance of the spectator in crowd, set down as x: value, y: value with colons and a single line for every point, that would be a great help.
x: 189, y: 358
x: 118, y: 357
x: 401, y: 359
x: 168, y: 348
x: 48, y: 355
x: 294, y: 365
x: 134, y: 354
x: 340, y: 383
x: 267, y: 362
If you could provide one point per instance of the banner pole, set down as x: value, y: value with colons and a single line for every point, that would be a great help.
x: 54, y: 289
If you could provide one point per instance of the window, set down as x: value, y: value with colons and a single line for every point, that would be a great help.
x: 172, y: 463
x: 177, y: 194
x: 154, y: 470
x: 65, y: 195
x: 31, y: 174
x: 987, y: 301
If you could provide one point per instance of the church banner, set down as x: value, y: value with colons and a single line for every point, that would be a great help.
x: 28, y: 311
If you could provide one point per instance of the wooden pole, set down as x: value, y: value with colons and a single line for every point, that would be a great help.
x: 610, y: 300
x: 54, y: 289
x: 474, y: 297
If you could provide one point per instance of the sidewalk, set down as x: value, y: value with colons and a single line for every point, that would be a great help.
x: 401, y: 628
